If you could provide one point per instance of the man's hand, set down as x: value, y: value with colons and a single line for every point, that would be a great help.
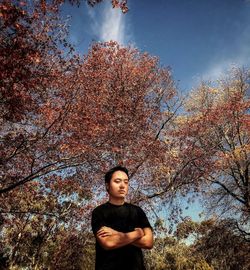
x: 106, y: 231
x: 140, y: 232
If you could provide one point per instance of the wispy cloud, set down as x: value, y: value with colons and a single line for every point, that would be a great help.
x: 110, y: 24
x: 215, y: 71
x: 221, y: 64
x: 113, y: 25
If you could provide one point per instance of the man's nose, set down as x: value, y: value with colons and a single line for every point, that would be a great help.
x: 122, y: 185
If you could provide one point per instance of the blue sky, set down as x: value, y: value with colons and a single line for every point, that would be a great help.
x: 198, y: 39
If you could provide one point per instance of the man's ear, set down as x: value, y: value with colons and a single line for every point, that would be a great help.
x: 107, y: 186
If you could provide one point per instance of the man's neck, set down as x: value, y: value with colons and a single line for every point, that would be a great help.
x: 116, y: 201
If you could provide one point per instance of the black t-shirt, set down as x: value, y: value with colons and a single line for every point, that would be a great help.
x: 123, y: 218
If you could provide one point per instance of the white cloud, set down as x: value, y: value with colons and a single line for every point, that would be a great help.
x: 216, y: 70
x: 113, y: 25
x: 221, y: 65
x: 110, y: 24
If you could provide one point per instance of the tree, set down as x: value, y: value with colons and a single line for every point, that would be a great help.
x: 32, y: 35
x: 217, y: 241
x: 209, y: 149
x: 66, y: 119
x: 170, y: 254
x: 122, y: 4
x: 220, y: 134
x: 75, y: 117
x: 122, y: 108
x: 223, y: 247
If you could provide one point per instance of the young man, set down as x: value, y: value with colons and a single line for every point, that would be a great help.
x: 121, y: 229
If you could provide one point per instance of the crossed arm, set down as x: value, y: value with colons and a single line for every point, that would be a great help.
x: 112, y: 239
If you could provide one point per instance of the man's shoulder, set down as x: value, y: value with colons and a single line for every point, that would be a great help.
x: 100, y: 207
x: 134, y: 206
x: 129, y: 204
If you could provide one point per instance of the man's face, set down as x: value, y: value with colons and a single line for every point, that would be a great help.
x: 118, y: 186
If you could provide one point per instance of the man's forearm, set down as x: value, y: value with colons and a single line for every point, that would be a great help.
x: 119, y: 239
x: 146, y: 241
x: 142, y: 243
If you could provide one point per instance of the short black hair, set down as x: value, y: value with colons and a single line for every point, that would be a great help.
x: 109, y: 173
